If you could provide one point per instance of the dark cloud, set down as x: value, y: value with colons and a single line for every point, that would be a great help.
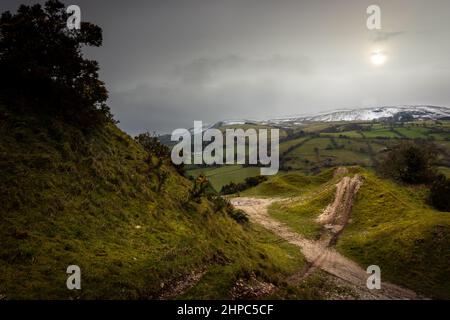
x: 207, y: 71
x: 168, y: 63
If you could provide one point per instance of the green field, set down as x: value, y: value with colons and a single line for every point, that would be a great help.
x: 381, y: 133
x: 218, y: 177
x: 413, y: 133
x: 348, y: 134
x: 284, y: 146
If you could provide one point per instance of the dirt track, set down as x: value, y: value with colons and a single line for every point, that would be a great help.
x: 319, y: 253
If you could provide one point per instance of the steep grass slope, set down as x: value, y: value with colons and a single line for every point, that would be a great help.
x: 92, y: 200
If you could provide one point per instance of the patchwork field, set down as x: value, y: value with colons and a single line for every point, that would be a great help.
x: 313, y: 147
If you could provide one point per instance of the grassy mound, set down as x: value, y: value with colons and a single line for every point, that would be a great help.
x: 393, y: 227
x: 92, y: 200
x: 300, y: 214
x: 390, y: 226
x: 288, y: 184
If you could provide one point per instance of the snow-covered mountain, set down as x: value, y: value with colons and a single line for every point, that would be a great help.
x: 391, y: 113
x: 396, y: 113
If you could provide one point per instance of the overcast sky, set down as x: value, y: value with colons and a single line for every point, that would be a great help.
x: 167, y: 63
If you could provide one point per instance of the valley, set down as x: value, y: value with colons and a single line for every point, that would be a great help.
x: 386, y: 223
x: 310, y: 147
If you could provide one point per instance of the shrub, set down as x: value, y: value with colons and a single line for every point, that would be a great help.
x: 238, y: 187
x: 410, y: 163
x: 152, y: 145
x: 440, y: 193
x: 223, y: 205
x: 220, y: 203
x: 238, y: 215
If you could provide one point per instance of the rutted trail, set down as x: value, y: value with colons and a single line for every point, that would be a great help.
x: 336, y: 215
x: 320, y: 254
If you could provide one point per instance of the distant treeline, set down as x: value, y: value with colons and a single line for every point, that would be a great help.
x: 249, y: 182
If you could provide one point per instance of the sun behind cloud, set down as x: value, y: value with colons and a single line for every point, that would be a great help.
x: 378, y: 58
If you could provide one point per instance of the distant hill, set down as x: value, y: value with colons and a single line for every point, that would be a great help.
x: 376, y: 114
x: 393, y: 113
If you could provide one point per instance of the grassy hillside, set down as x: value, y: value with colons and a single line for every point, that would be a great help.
x: 288, y: 184
x: 390, y: 226
x: 91, y: 199
x: 393, y: 227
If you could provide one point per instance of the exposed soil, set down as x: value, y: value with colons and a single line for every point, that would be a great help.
x: 320, y: 254
x: 336, y: 215
x: 179, y: 286
x: 251, y: 289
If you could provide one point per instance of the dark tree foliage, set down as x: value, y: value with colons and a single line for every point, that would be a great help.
x: 151, y: 144
x: 410, y: 162
x: 239, y: 216
x: 223, y: 205
x: 161, y: 152
x: 440, y: 193
x: 238, y: 187
x: 43, y: 70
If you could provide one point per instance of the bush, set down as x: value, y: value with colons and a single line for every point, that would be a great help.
x: 223, y: 205
x: 238, y: 187
x: 238, y: 215
x: 220, y: 203
x: 201, y: 187
x: 231, y: 188
x: 410, y: 163
x: 152, y: 145
x: 440, y: 193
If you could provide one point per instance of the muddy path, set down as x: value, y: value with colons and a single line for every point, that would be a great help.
x: 321, y: 254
